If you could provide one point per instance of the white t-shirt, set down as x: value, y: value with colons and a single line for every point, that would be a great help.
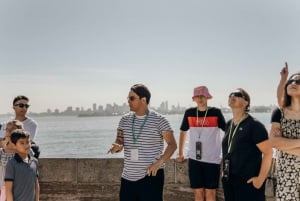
x: 30, y: 125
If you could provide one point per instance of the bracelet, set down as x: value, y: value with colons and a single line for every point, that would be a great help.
x: 119, y: 145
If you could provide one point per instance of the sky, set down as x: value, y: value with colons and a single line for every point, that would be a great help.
x: 64, y: 53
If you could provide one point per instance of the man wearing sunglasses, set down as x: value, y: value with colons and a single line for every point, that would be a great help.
x: 142, y: 133
x: 20, y: 106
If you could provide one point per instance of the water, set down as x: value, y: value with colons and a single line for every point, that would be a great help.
x: 91, y: 137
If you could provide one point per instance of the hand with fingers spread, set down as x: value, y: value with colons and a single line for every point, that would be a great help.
x: 154, y: 167
x: 115, y: 148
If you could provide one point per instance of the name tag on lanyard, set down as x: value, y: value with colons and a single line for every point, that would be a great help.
x: 134, y: 154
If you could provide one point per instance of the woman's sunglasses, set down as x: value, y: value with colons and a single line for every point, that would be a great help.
x: 237, y: 94
x: 297, y: 82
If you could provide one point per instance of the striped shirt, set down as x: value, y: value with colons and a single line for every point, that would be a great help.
x: 143, y: 137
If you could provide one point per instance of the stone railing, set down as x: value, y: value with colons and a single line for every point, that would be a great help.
x: 99, y: 180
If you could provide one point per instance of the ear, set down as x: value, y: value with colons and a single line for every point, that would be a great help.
x: 144, y: 100
x: 246, y: 103
x: 13, y: 145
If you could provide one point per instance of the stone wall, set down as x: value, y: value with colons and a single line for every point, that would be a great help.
x: 99, y: 180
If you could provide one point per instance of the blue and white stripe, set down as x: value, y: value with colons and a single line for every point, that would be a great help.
x: 149, y: 143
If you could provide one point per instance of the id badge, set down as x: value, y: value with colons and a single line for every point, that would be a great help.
x: 134, y: 154
x: 198, y: 150
x: 226, y: 169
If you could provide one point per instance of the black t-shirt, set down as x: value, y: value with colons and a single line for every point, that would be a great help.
x: 276, y: 115
x: 245, y: 157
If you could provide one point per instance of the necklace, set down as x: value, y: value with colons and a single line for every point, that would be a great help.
x: 134, y: 136
x: 233, y: 132
x: 203, y: 121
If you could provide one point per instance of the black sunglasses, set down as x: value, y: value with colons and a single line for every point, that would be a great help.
x: 131, y: 98
x: 292, y: 80
x: 22, y: 105
x: 237, y: 94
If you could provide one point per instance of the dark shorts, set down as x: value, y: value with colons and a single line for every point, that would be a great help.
x: 204, y: 175
x: 149, y: 188
x: 237, y: 188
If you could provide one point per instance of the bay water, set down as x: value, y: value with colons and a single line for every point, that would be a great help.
x: 91, y: 137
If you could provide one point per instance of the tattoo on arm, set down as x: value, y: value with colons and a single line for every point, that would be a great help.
x: 120, y: 137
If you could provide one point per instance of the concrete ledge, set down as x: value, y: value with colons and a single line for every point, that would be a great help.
x: 99, y: 180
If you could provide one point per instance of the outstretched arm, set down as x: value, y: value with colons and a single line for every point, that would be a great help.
x: 280, y: 88
x: 117, y: 146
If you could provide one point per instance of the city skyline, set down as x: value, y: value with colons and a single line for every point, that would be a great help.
x: 96, y: 107
x: 115, y: 109
x: 94, y: 51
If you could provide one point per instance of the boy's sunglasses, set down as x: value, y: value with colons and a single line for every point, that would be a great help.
x: 22, y: 105
x: 297, y: 82
x: 237, y: 94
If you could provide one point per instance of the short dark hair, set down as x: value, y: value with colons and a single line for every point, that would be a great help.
x: 18, y: 134
x: 20, y: 97
x: 142, y: 91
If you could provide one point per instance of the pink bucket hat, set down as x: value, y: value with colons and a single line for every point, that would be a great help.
x: 202, y: 91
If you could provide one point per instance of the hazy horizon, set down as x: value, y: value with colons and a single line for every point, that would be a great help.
x: 63, y: 53
x: 104, y: 107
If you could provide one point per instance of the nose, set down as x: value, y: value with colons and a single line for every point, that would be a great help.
x: 27, y: 145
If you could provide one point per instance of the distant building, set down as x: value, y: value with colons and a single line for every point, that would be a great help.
x: 115, y: 109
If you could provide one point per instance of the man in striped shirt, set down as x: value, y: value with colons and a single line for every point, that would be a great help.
x: 142, y: 133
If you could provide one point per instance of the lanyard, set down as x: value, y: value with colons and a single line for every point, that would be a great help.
x: 203, y: 119
x: 135, y: 137
x: 232, y: 133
